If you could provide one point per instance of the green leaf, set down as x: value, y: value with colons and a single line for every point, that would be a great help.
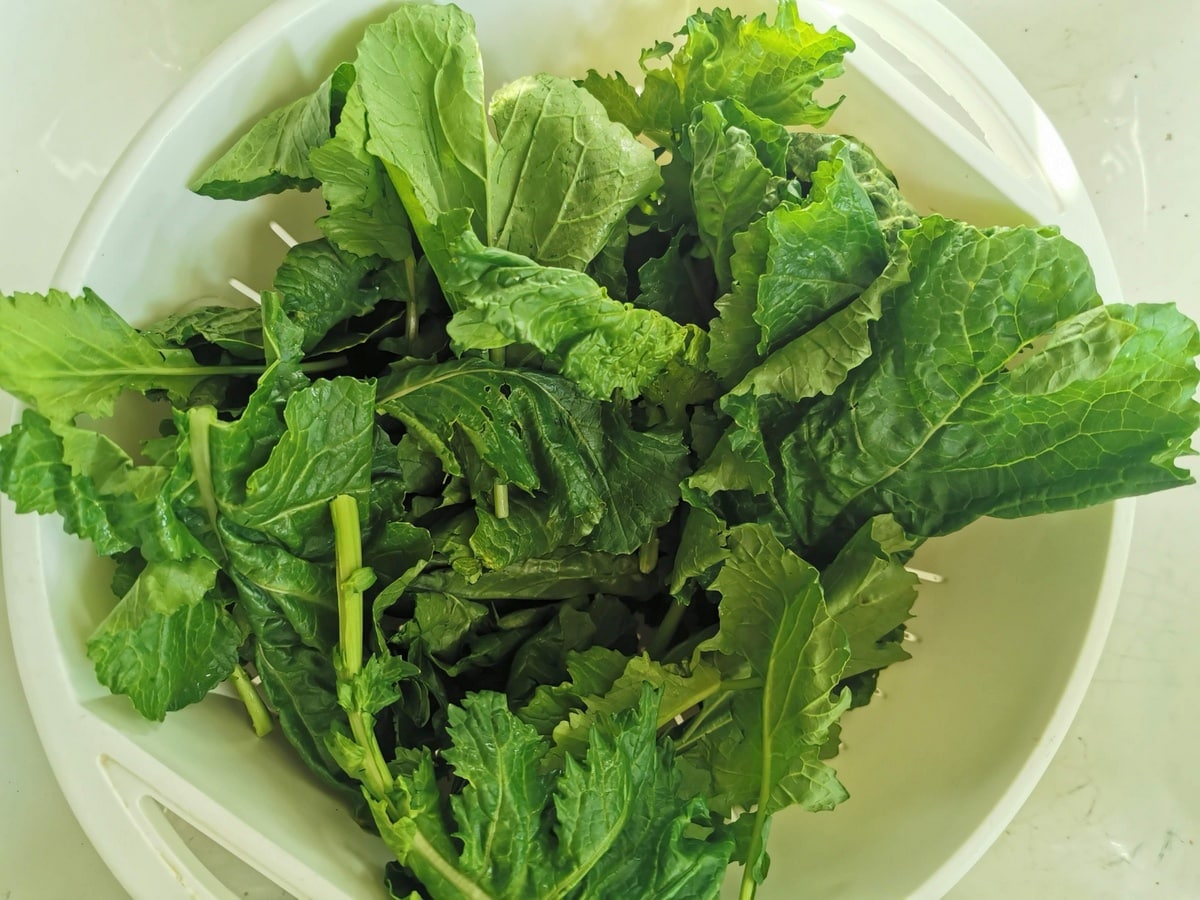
x: 730, y: 185
x: 618, y: 97
x: 96, y: 489
x: 440, y: 623
x: 324, y: 450
x: 601, y: 344
x: 542, y: 660
x: 939, y: 425
x: 374, y: 687
x: 773, y: 619
x: 678, y: 284
x: 772, y: 68
x: 235, y: 329
x: 500, y: 811
x: 365, y: 214
x: 297, y: 678
x: 800, y: 266
x: 575, y: 468
x: 808, y: 150
x: 422, y: 84
x: 303, y: 593
x: 67, y: 355
x: 609, y: 825
x: 167, y: 643
x: 590, y: 672
x: 870, y: 593
x: 819, y: 257
x: 621, y: 829
x: 680, y: 688
x: 566, y: 573
x: 590, y: 172
x: 273, y: 155
x: 322, y: 286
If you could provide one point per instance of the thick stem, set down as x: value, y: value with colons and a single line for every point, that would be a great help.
x: 666, y: 630
x: 200, y: 419
x: 348, y: 553
x: 412, y: 318
x: 260, y: 716
x: 500, y: 489
x: 348, y: 656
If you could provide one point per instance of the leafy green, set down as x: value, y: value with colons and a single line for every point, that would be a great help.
x: 168, y: 642
x: 599, y: 343
x: 589, y: 172
x: 68, y: 355
x: 641, y: 428
x: 617, y: 825
x: 235, y: 329
x: 273, y: 155
x: 422, y: 84
x: 322, y: 285
x: 96, y: 489
x: 772, y: 68
x: 870, y: 593
x: 976, y: 423
x: 365, y: 215
x: 582, y: 471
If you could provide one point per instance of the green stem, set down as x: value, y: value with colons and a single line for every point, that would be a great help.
x: 348, y: 656
x: 412, y: 312
x: 666, y: 630
x: 348, y: 554
x: 200, y: 419
x: 500, y: 488
x: 323, y: 365
x: 648, y: 557
x: 260, y: 717
x: 426, y: 850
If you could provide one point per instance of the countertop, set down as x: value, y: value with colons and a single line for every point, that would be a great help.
x: 1117, y: 815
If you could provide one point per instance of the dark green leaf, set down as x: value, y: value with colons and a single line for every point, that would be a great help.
x: 940, y: 425
x: 322, y: 286
x: 575, y: 468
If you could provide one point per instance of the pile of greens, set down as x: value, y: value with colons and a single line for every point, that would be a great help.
x: 557, y: 500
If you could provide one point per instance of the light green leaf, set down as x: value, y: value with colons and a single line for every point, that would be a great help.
x: 100, y: 494
x: 731, y: 184
x: 167, y: 643
x: 870, y: 593
x: 273, y: 155
x: 365, y: 214
x: 422, y: 84
x: 590, y: 172
x: 772, y: 68
x: 67, y: 355
x: 599, y: 343
x: 773, y: 619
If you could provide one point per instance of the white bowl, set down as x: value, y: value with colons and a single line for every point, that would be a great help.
x: 936, y: 766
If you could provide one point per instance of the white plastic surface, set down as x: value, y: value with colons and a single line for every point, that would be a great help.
x: 913, y: 825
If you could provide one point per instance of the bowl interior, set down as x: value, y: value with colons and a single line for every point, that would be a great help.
x: 930, y: 764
